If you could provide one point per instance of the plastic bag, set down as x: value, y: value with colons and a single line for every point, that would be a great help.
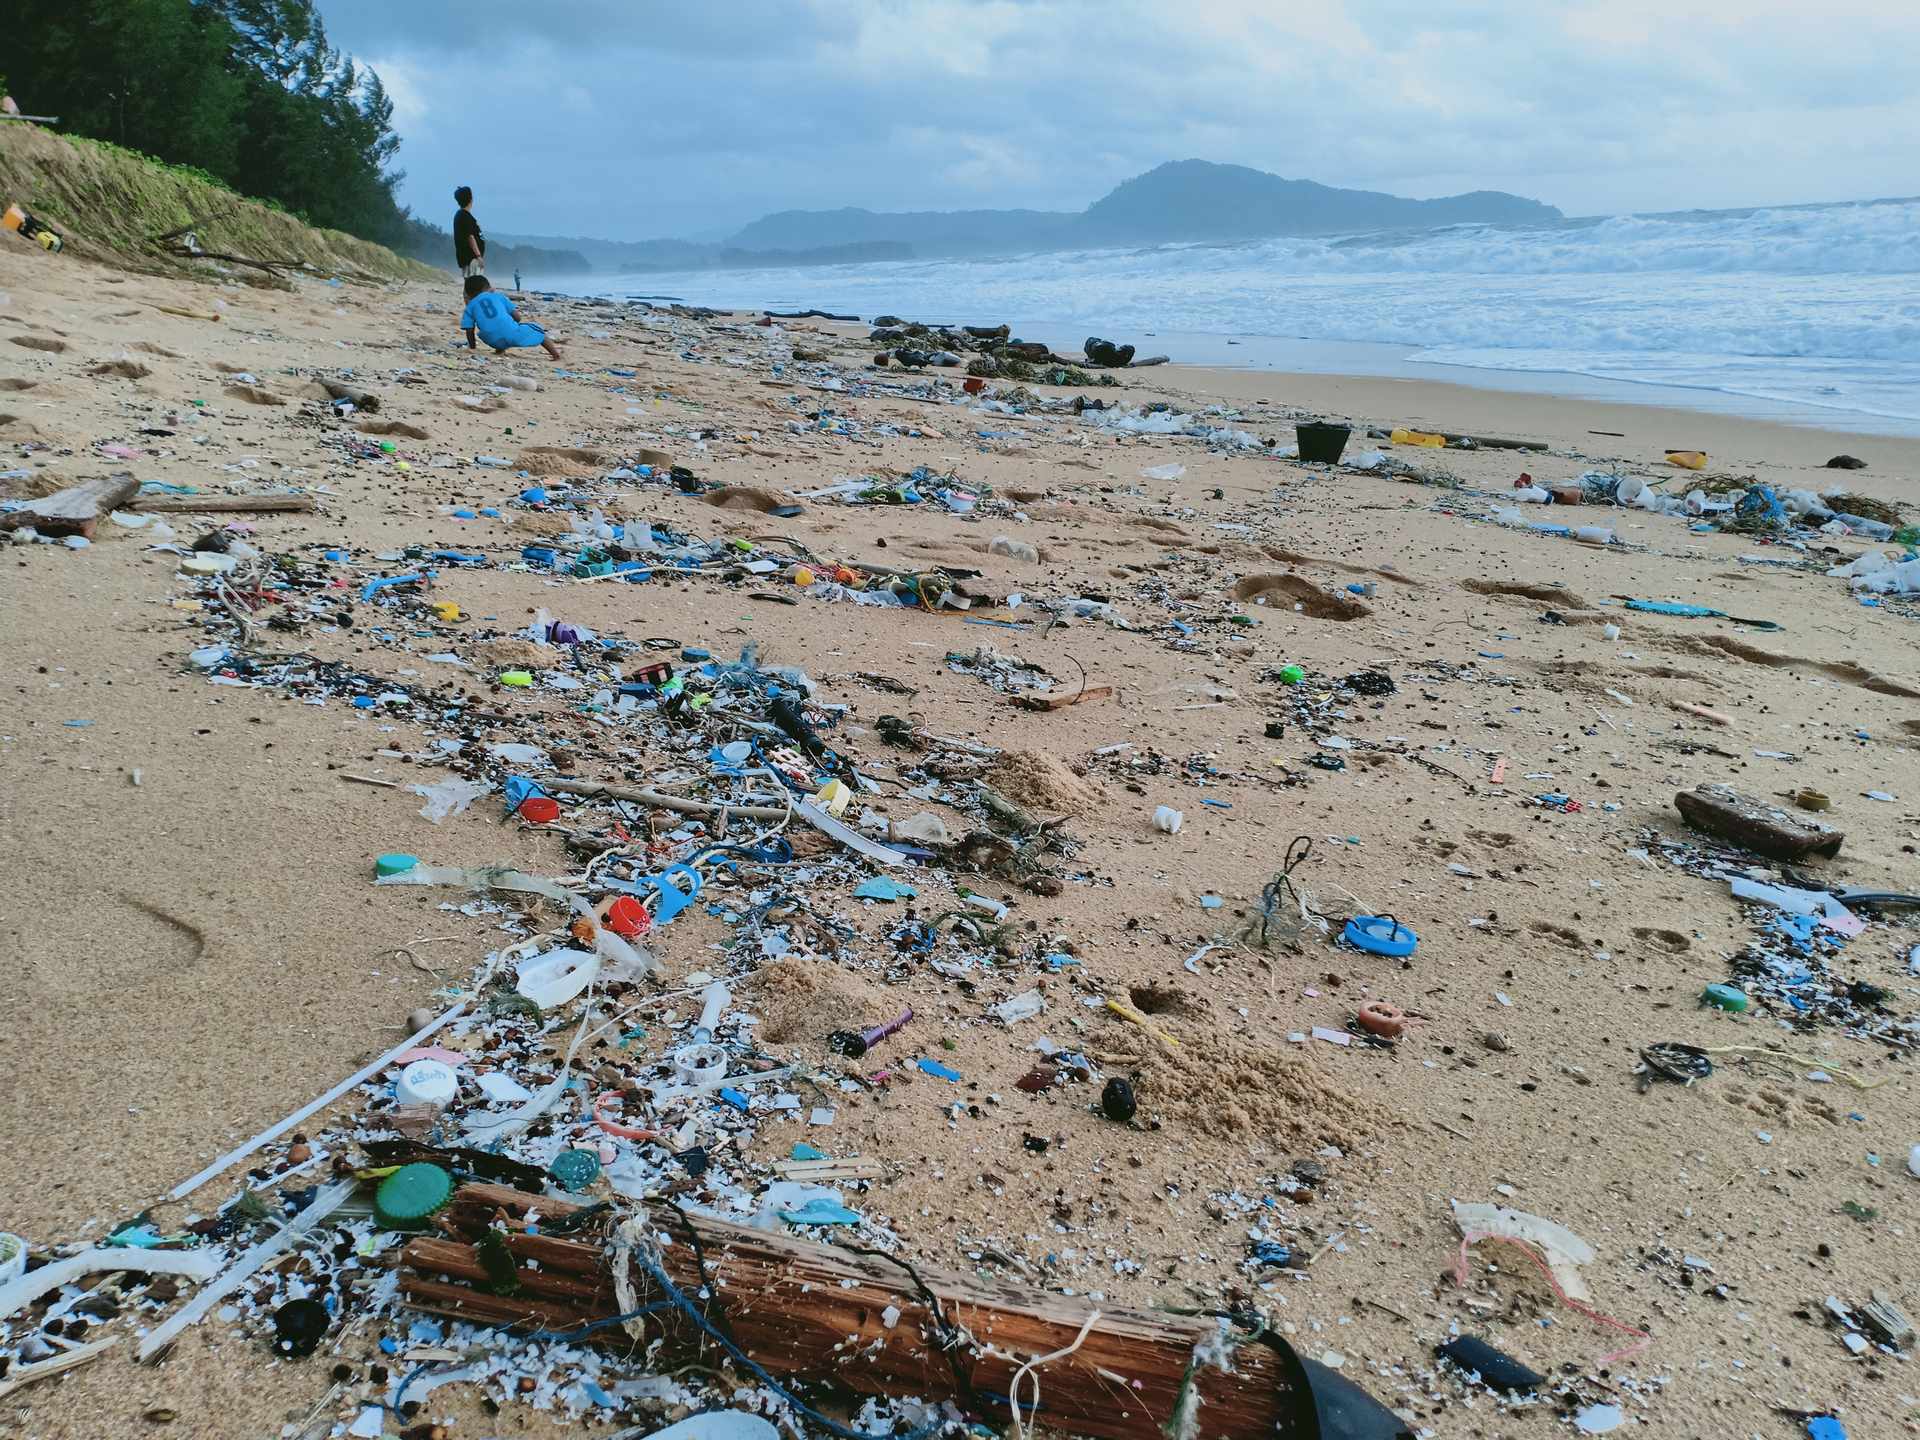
x: 449, y: 797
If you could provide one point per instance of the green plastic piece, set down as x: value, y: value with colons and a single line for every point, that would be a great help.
x: 411, y: 1196
x: 574, y: 1169
x: 1725, y: 997
x: 395, y: 864
x: 1291, y: 674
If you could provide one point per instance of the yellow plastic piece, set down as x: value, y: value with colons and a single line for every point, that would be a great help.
x: 1688, y: 459
x: 834, y: 797
x: 1418, y: 437
x: 446, y: 610
x: 518, y: 679
x: 802, y: 575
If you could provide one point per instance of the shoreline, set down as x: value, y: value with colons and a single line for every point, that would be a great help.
x: 1266, y: 353
x: 1644, y: 431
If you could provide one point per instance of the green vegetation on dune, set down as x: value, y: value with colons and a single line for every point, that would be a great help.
x: 247, y: 94
x: 110, y: 203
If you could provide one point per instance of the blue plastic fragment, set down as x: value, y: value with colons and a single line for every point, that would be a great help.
x: 673, y: 901
x: 1825, y: 1427
x: 517, y: 789
x: 936, y: 1069
x: 374, y: 587
x: 804, y: 1151
x: 820, y: 1211
x: 1379, y: 935
x: 736, y: 1098
x: 881, y: 888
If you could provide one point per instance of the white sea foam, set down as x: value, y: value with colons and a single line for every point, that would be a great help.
x: 1818, y: 305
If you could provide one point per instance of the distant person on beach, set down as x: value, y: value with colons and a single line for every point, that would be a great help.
x: 493, y: 316
x: 469, y: 245
x: 516, y: 277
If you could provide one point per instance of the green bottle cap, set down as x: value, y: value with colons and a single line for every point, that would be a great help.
x: 411, y: 1196
x: 574, y: 1169
x: 1726, y: 997
x: 395, y: 864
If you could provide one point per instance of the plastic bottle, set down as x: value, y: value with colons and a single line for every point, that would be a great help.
x: 1594, y: 534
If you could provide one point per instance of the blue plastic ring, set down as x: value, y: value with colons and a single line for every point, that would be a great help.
x: 1379, y: 935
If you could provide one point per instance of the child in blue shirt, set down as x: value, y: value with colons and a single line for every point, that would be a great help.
x: 492, y: 315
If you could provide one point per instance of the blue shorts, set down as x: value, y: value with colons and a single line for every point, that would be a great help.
x: 522, y: 334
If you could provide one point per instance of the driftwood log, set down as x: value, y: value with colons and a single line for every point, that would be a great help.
x: 365, y: 403
x: 226, y: 504
x: 874, y: 1326
x: 74, y: 510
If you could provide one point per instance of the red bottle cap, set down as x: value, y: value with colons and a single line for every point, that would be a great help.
x: 540, y: 809
x: 628, y: 917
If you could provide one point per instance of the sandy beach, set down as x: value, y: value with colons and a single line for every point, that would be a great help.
x: 197, y: 948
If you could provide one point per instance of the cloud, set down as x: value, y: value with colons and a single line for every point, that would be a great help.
x: 596, y: 117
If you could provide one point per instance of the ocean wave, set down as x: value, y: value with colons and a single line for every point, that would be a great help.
x: 1799, y: 302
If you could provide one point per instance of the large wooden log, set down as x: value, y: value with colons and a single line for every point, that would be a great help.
x: 74, y: 510
x: 226, y: 504
x: 822, y: 1313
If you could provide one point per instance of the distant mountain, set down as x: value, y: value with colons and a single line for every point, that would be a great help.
x: 1183, y: 200
x: 1198, y: 200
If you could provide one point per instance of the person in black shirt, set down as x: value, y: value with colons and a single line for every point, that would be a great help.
x: 469, y: 245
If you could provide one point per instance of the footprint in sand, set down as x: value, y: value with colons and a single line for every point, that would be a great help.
x: 1671, y: 941
x: 125, y: 941
x: 40, y: 342
x: 1570, y: 938
x: 1540, y: 594
x: 1847, y: 671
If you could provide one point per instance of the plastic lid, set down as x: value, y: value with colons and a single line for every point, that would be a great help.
x: 427, y: 1082
x: 1379, y: 935
x: 574, y: 1169
x: 540, y: 809
x: 411, y: 1196
x: 395, y: 864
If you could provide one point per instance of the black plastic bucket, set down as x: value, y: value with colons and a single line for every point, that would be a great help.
x: 1321, y: 443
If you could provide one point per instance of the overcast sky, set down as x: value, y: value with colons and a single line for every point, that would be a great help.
x: 628, y: 121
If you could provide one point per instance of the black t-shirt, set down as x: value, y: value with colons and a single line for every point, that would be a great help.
x: 464, y: 225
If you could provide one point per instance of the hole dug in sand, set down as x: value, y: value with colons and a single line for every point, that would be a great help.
x: 1288, y: 591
